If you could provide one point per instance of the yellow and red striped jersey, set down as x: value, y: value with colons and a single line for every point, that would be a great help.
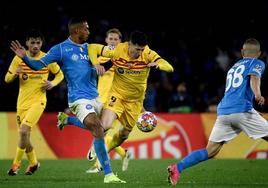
x: 31, y: 82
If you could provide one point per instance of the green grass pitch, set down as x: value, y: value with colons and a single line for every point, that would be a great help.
x: 141, y: 173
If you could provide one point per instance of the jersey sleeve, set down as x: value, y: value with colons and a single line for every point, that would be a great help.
x: 95, y: 50
x: 257, y: 68
x: 53, y: 55
x: 162, y: 63
x: 55, y: 69
x: 11, y: 73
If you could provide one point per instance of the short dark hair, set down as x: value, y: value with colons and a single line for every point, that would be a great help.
x: 74, y: 22
x: 35, y: 33
x: 139, y: 38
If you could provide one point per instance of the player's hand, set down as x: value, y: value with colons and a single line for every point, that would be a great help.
x: 154, y: 65
x: 100, y: 69
x: 18, y: 71
x: 18, y: 49
x: 48, y: 85
x: 260, y: 100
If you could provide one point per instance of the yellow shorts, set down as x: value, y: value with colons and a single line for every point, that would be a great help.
x: 31, y: 116
x: 127, y: 112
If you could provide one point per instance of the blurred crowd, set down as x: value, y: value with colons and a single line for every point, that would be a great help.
x: 201, y: 53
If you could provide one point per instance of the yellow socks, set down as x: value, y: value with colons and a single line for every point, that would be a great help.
x: 32, y: 157
x: 18, y: 156
x: 121, y: 151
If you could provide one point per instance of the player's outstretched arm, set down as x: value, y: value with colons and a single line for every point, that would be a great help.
x: 161, y: 64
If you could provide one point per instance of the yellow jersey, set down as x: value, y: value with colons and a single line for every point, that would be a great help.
x: 130, y: 82
x: 31, y: 82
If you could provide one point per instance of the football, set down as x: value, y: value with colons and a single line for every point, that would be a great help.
x: 147, y: 121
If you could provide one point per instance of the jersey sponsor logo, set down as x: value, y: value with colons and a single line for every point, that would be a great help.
x: 132, y: 72
x: 88, y: 106
x: 35, y: 77
x: 76, y: 57
x: 84, y: 57
x: 24, y: 76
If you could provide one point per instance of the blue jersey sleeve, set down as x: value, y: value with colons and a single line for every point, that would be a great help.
x: 54, y: 55
x: 257, y: 68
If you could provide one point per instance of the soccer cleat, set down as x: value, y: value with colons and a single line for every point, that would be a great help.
x: 111, y: 178
x: 32, y: 168
x: 126, y: 160
x: 62, y: 120
x: 94, y: 169
x: 173, y: 174
x: 91, y: 155
x: 13, y: 170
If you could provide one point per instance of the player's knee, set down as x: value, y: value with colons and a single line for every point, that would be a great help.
x: 124, y: 134
x: 95, y: 128
x: 213, y: 149
x: 24, y: 131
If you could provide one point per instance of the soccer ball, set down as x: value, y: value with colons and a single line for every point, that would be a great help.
x: 147, y: 121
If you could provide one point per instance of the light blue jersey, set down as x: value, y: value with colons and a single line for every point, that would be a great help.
x: 78, y: 70
x: 238, y: 96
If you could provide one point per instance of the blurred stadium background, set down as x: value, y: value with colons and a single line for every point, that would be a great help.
x: 201, y: 41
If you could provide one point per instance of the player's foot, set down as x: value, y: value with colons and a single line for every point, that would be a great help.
x: 173, y: 174
x: 91, y: 155
x: 13, y: 170
x: 126, y: 160
x: 111, y: 178
x: 32, y: 168
x: 94, y: 169
x: 62, y: 120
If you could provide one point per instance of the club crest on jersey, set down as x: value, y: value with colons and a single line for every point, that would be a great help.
x: 24, y: 76
x: 88, y: 106
x: 75, y: 57
x: 81, y: 49
x: 120, y: 70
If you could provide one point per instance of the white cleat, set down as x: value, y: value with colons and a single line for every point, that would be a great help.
x: 126, y: 160
x: 91, y: 155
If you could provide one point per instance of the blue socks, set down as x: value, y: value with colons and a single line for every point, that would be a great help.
x: 192, y: 159
x: 102, y: 155
x: 73, y: 120
x: 99, y: 146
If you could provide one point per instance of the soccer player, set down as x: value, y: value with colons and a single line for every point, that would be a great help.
x: 235, y: 112
x: 113, y: 37
x: 72, y: 56
x: 132, y: 63
x: 31, y: 99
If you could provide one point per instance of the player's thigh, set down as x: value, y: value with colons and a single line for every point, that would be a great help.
x: 223, y: 130
x: 253, y: 124
x: 33, y: 115
x: 21, y: 113
x: 131, y: 114
x: 112, y: 109
x: 82, y: 107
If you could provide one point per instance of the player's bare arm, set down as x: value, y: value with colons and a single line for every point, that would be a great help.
x: 255, y: 86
